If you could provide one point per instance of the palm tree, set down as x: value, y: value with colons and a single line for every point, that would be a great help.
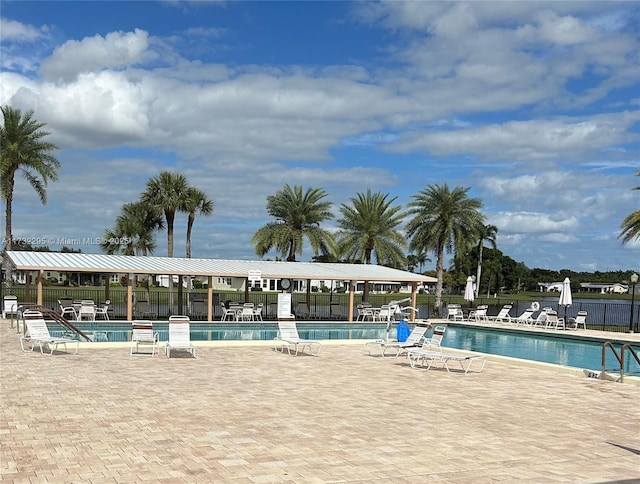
x: 196, y: 202
x: 134, y: 230
x: 133, y: 233
x: 631, y: 224
x: 23, y: 150
x: 443, y: 219
x: 167, y: 192
x: 368, y: 228
x: 488, y: 233
x: 297, y: 216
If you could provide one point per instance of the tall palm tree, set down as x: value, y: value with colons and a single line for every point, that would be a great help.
x: 442, y: 220
x: 167, y: 192
x: 631, y: 224
x: 368, y: 228
x: 196, y: 202
x: 487, y: 233
x: 23, y: 150
x: 298, y: 215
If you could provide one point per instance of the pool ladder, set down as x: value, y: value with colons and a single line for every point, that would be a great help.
x: 620, y: 357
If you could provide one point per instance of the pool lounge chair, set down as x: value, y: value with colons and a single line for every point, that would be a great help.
x: 525, y: 318
x: 37, y: 333
x: 288, y: 337
x: 502, y: 316
x: 415, y: 339
x: 142, y: 334
x: 179, y: 336
x: 427, y: 358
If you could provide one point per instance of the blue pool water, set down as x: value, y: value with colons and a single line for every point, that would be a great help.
x: 565, y: 351
x: 568, y: 351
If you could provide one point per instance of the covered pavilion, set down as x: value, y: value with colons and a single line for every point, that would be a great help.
x: 41, y: 262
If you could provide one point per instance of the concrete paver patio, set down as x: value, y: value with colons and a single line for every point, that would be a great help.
x: 249, y: 414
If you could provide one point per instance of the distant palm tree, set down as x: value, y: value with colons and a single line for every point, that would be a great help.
x: 167, y: 192
x: 487, y: 233
x: 297, y: 216
x: 631, y: 224
x: 133, y: 233
x: 443, y: 219
x: 134, y: 230
x: 23, y: 150
x: 196, y: 202
x: 368, y: 228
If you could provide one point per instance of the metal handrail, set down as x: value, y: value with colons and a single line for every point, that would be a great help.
x: 619, y: 357
x: 609, y: 344
x: 58, y: 318
x: 632, y: 352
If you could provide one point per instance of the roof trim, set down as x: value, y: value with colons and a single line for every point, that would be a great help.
x: 102, y: 263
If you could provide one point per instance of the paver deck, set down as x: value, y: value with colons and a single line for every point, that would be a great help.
x: 249, y: 414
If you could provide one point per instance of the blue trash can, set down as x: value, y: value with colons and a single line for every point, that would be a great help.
x: 402, y: 331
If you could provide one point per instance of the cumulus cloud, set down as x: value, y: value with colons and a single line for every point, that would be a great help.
x: 92, y: 54
x: 13, y: 31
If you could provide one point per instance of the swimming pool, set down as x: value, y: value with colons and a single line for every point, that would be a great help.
x: 567, y: 351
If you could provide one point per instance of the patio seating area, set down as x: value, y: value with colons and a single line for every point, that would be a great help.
x: 248, y: 414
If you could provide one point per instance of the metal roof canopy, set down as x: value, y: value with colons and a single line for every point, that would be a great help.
x: 102, y: 263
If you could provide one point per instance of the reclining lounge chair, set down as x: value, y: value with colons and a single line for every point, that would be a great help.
x: 415, y: 339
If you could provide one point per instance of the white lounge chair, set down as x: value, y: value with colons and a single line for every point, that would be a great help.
x: 579, y: 320
x: 525, y: 318
x: 288, y: 336
x: 9, y: 306
x: 414, y: 339
x: 435, y: 341
x: 179, y: 336
x: 503, y: 315
x: 427, y: 358
x: 37, y: 333
x: 142, y: 334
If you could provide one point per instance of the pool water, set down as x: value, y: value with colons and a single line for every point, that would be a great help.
x: 573, y: 352
x: 565, y: 351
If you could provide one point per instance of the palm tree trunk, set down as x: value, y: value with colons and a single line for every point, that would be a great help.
x: 8, y: 240
x: 439, y: 274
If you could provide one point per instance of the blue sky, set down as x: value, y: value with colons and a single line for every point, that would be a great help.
x: 535, y: 107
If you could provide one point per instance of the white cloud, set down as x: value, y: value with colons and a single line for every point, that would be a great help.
x: 13, y: 31
x: 92, y: 54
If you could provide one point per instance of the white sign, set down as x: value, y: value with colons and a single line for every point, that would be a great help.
x: 284, y: 305
x: 254, y: 275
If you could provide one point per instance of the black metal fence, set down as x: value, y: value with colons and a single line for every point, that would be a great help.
x: 601, y: 315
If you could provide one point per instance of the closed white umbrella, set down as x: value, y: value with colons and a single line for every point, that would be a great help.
x: 566, y: 299
x: 468, y: 290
